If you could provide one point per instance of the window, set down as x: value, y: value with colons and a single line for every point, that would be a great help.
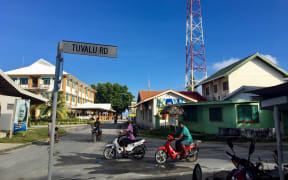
x: 247, y: 113
x: 78, y: 99
x: 207, y: 91
x: 10, y: 106
x: 68, y: 83
x: 14, y: 79
x: 79, y: 88
x: 225, y: 86
x: 67, y: 97
x: 23, y: 81
x: 46, y: 81
x: 190, y: 114
x: 215, y: 88
x: 73, y: 98
x: 215, y: 114
x: 73, y: 85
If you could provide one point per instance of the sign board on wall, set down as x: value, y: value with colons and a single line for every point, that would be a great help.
x: 21, y: 114
x: 89, y: 49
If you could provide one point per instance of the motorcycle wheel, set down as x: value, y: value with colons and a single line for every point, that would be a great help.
x: 161, y: 157
x: 193, y: 156
x: 139, y: 153
x: 109, y: 153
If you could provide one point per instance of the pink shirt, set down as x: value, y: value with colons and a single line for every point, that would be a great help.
x: 130, y: 129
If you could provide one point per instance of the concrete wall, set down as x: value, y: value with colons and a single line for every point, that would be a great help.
x: 144, y: 117
x: 254, y: 73
x: 6, y: 112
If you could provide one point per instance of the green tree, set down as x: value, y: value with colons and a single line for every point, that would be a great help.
x: 61, y: 112
x: 117, y: 95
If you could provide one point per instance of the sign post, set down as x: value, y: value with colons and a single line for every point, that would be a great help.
x: 72, y: 48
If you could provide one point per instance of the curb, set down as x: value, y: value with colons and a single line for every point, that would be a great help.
x: 17, y: 147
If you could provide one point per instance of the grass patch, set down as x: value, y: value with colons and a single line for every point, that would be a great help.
x: 31, y: 135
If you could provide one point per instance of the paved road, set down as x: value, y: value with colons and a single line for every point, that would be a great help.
x: 76, y: 157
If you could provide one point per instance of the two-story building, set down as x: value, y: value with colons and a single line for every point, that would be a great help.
x: 38, y: 78
x: 247, y: 74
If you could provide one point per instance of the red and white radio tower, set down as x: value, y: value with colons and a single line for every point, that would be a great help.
x: 195, y: 51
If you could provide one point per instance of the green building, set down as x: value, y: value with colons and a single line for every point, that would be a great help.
x: 208, y: 117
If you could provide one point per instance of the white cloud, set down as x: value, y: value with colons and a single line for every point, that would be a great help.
x: 222, y: 64
x: 271, y: 58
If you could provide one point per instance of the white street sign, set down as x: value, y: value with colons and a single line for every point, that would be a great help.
x: 89, y: 49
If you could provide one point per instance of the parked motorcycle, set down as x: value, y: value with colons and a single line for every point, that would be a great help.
x: 135, y: 149
x: 167, y: 150
x: 246, y: 170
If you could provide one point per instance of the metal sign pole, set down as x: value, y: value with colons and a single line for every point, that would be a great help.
x: 59, y: 60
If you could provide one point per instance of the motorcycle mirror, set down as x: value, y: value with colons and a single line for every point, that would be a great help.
x: 230, y: 144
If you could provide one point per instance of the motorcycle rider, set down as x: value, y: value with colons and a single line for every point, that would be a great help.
x: 129, y: 136
x: 97, y: 126
x: 184, y: 138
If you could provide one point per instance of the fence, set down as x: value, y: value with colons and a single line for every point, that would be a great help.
x: 263, y: 133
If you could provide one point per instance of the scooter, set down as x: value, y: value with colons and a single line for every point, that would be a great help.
x: 167, y: 150
x: 136, y: 149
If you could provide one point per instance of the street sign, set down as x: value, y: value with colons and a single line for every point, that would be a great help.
x: 88, y: 49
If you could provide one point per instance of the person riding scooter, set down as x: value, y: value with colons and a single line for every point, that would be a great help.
x: 97, y: 126
x: 129, y: 136
x: 184, y: 138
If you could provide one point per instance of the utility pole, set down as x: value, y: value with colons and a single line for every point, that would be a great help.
x: 57, y: 84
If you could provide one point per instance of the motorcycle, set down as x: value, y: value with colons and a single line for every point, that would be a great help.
x: 246, y: 170
x: 96, y: 135
x: 167, y: 150
x: 136, y: 149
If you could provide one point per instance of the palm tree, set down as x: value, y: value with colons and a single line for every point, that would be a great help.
x: 61, y: 112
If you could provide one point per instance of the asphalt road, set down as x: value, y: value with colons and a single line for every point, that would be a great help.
x: 76, y: 157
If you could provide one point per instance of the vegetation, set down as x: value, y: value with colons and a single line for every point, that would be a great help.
x: 31, y: 135
x: 117, y: 95
x: 61, y: 112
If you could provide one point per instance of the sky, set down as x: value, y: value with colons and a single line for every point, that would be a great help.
x: 150, y: 36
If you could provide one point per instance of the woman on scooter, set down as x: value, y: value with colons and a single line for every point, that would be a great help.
x: 129, y: 136
x: 184, y: 138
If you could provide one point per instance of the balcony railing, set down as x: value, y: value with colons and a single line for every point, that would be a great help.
x: 42, y: 86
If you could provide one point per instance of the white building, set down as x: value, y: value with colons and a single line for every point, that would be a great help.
x: 38, y: 78
x: 253, y: 71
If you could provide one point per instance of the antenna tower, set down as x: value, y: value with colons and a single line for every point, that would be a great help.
x: 195, y: 50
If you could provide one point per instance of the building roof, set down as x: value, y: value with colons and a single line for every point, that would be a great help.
x: 274, y: 91
x: 91, y: 106
x: 231, y: 68
x: 9, y: 88
x: 242, y: 89
x: 144, y: 96
x: 40, y: 67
